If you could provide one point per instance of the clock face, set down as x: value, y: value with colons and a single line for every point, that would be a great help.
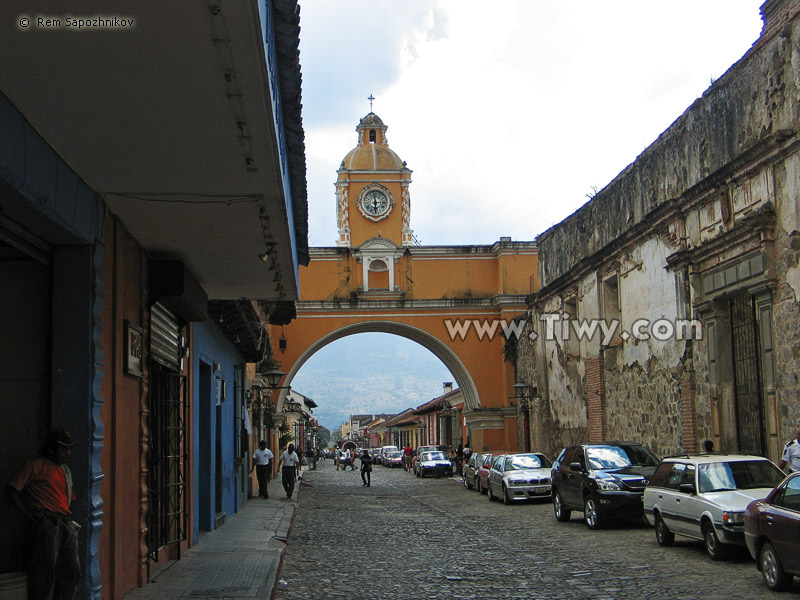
x: 375, y: 203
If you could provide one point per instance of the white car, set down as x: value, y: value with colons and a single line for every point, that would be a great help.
x: 519, y: 477
x: 704, y: 496
x: 434, y: 463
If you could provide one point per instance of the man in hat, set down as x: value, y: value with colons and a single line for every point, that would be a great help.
x: 42, y: 491
x: 791, y: 454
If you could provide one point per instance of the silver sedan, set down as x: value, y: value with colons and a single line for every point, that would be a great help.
x: 519, y: 477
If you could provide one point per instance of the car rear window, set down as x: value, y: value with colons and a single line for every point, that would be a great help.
x: 433, y: 456
x: 615, y: 457
x: 526, y: 461
x: 738, y: 475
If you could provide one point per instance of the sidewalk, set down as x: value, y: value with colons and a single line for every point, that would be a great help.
x: 239, y: 560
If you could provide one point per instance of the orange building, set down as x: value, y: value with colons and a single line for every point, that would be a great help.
x: 456, y: 301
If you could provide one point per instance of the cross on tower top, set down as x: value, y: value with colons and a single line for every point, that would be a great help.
x: 371, y: 98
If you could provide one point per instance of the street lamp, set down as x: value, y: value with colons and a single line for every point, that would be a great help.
x: 446, y: 431
x: 524, y: 395
x: 291, y: 406
x: 273, y: 377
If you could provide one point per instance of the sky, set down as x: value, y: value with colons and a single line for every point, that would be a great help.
x: 511, y: 114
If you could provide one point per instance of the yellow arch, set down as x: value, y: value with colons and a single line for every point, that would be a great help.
x: 415, y: 334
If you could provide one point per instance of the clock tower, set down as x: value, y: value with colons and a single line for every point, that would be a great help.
x: 372, y: 198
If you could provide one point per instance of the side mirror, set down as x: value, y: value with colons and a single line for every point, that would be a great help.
x: 576, y: 466
x: 687, y: 488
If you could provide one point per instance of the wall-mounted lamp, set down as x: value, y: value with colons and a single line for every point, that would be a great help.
x: 291, y: 406
x: 447, y: 409
x: 524, y: 394
x: 282, y: 342
x: 273, y: 377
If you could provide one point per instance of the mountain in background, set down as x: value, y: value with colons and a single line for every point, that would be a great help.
x: 369, y: 373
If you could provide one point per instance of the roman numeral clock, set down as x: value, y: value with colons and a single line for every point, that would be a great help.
x: 375, y: 202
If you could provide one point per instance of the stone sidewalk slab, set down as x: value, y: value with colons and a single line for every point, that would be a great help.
x: 240, y: 560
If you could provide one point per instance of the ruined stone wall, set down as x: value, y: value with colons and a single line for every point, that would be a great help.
x: 786, y: 297
x: 704, y: 420
x: 643, y: 404
x: 678, y: 232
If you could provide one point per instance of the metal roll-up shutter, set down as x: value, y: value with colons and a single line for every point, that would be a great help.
x: 165, y: 337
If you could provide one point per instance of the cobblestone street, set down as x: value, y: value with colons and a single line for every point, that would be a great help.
x: 405, y: 537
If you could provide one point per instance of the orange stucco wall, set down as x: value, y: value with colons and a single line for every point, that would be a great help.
x: 123, y: 461
x: 426, y: 273
x: 125, y: 276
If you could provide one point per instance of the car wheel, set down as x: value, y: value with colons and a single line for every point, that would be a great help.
x: 716, y: 549
x: 506, y: 497
x: 593, y: 519
x: 664, y: 536
x: 479, y: 487
x: 771, y: 570
x: 467, y: 484
x: 562, y: 514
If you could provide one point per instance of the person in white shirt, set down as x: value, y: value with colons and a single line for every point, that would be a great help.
x: 262, y: 462
x: 291, y: 469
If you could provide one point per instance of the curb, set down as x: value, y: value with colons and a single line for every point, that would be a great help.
x: 285, y: 541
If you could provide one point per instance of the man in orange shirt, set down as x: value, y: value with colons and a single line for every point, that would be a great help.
x: 42, y: 491
x: 408, y: 453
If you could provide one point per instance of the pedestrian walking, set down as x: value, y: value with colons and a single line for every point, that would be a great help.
x: 290, y: 464
x: 346, y: 459
x: 467, y: 452
x: 366, y: 468
x: 353, y: 456
x: 262, y: 463
x: 459, y: 458
x: 42, y: 491
x: 791, y: 454
x: 407, y: 454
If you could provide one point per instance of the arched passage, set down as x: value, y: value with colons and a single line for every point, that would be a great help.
x: 415, y: 334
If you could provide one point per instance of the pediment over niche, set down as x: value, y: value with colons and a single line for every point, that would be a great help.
x: 378, y: 245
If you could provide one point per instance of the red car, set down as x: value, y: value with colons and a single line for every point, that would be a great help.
x: 482, y: 475
x: 772, y: 533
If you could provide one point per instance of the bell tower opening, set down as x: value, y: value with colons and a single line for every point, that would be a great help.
x: 372, y: 190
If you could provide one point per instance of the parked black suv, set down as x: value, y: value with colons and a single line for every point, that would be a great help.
x: 604, y: 480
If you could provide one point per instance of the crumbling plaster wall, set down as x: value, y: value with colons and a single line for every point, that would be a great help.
x: 786, y: 308
x: 699, y: 161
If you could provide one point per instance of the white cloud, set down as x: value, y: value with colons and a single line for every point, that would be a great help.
x: 509, y: 114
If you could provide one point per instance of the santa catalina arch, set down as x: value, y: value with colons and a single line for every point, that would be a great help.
x: 456, y: 301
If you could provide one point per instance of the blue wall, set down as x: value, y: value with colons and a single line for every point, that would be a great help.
x: 217, y: 481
